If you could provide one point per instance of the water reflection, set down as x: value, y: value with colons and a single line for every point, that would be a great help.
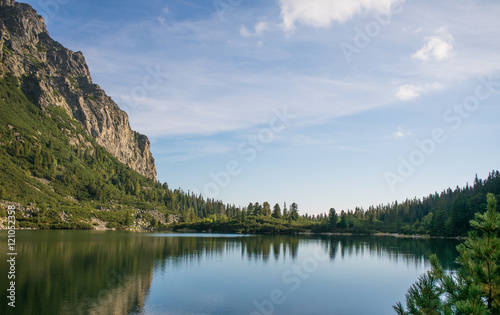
x: 411, y: 251
x: 77, y: 272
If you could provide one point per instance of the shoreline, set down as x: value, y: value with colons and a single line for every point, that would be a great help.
x: 378, y: 234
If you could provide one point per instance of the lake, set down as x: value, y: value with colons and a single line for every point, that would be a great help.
x: 90, y: 272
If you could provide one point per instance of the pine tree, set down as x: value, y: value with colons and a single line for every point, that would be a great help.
x: 475, y: 288
x: 128, y: 219
x: 438, y: 226
x: 459, y: 216
x: 276, y: 211
x: 266, y: 209
x: 480, y: 254
x: 257, y: 209
x: 332, y: 218
x: 423, y: 297
x: 192, y: 215
x: 343, y: 224
x: 294, y: 211
x: 137, y: 188
x: 243, y: 217
x: 250, y: 208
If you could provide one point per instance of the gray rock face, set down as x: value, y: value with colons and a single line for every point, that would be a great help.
x: 55, y: 76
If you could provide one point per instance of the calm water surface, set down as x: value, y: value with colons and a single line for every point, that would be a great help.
x: 82, y: 272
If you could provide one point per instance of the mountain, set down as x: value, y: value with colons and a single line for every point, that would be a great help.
x: 51, y: 75
x: 68, y: 157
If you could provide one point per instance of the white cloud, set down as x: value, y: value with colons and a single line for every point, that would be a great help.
x: 259, y: 29
x: 408, y: 92
x: 400, y: 133
x: 438, y: 47
x: 321, y: 13
x: 165, y: 10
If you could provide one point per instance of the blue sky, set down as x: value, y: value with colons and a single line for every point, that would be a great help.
x: 326, y: 103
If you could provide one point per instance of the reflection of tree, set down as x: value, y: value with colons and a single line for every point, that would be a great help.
x: 259, y: 247
x: 411, y: 251
x: 99, y: 273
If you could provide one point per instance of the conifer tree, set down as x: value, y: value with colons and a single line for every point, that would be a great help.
x: 294, y: 211
x: 332, y: 217
x: 276, y: 211
x: 475, y: 288
x: 266, y: 209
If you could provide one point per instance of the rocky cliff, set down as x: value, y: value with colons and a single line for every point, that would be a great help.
x: 52, y: 75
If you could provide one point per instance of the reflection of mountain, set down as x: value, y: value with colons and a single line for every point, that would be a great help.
x: 76, y: 272
x: 127, y: 296
x: 83, y: 273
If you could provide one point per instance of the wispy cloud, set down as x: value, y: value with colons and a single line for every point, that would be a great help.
x: 187, y: 149
x: 409, y: 92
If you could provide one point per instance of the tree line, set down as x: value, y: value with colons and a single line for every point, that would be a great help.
x: 439, y: 214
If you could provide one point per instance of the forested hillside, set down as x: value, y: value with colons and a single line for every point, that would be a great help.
x: 62, y: 178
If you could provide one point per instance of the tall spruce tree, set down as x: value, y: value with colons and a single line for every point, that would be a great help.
x: 266, y: 209
x: 332, y: 217
x: 276, y: 211
x: 294, y: 211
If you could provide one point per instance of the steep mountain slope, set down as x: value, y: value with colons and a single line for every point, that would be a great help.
x: 51, y: 75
